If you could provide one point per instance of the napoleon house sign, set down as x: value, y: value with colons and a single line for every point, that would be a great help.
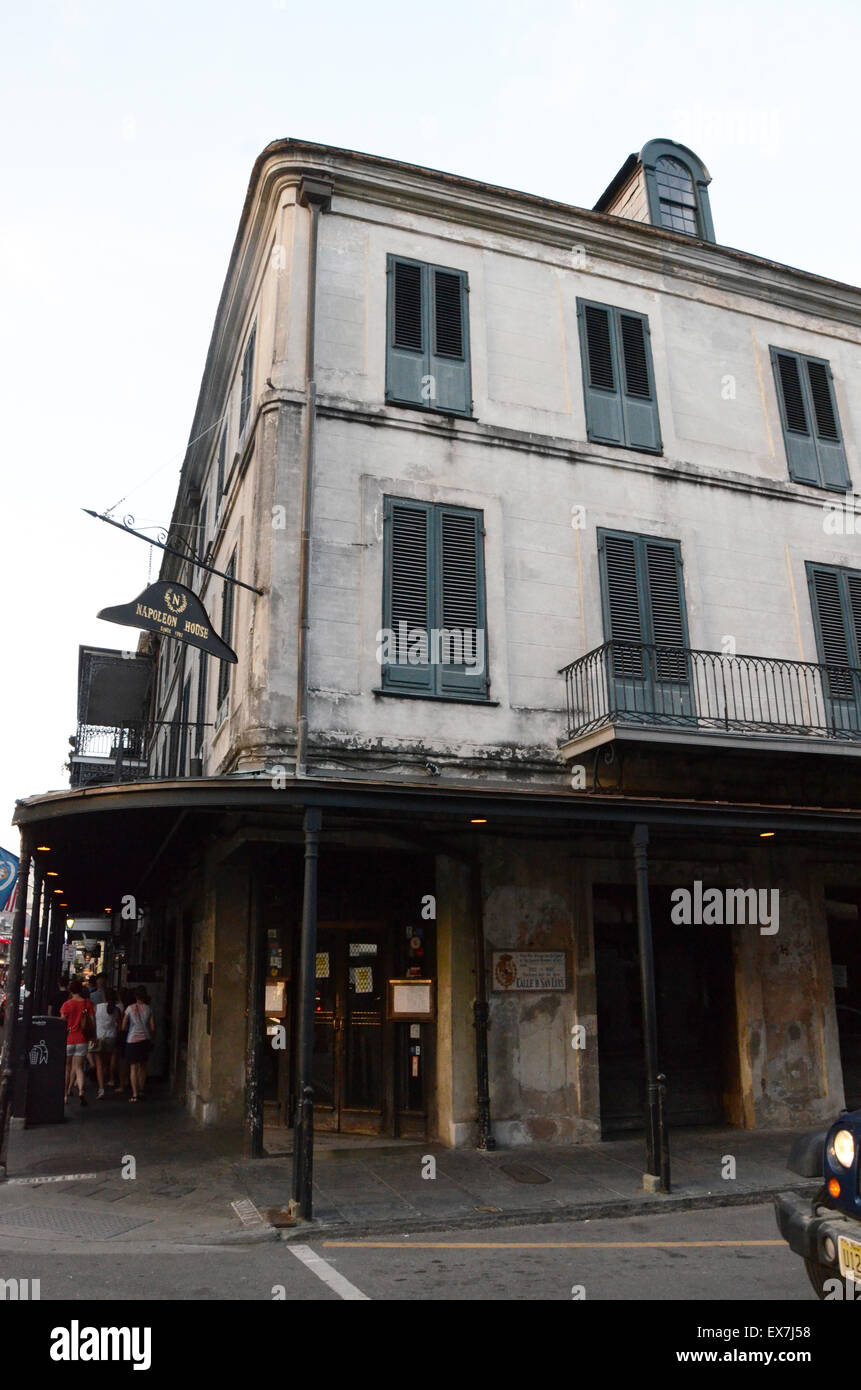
x: 171, y: 610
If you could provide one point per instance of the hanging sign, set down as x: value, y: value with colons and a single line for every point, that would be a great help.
x: 171, y: 610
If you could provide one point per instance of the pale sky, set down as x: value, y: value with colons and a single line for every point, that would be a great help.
x: 127, y: 137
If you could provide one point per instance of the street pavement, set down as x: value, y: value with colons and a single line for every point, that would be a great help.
x: 709, y: 1256
x: 135, y: 1201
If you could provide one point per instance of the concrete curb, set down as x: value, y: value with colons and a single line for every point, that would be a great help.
x: 648, y: 1205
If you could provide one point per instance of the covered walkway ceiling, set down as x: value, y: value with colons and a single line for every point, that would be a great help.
x: 108, y: 841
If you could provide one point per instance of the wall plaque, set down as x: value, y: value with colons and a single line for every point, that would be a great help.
x: 529, y: 970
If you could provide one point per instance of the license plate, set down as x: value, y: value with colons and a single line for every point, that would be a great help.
x: 849, y: 1254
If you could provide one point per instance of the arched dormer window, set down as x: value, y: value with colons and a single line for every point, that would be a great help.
x: 677, y: 188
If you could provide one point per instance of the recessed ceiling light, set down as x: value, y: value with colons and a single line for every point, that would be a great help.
x: 478, y: 820
x: 44, y: 848
x: 766, y: 834
x: 51, y: 873
x: 58, y: 890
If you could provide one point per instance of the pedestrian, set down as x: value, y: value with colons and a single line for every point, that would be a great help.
x: 140, y: 1026
x: 126, y: 998
x: 108, y: 1018
x: 97, y: 993
x: 80, y: 1028
x: 59, y: 999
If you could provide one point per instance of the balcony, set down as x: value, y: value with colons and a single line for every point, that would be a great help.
x: 124, y: 752
x: 663, y: 694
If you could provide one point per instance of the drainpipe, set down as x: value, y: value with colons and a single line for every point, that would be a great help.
x: 480, y: 1012
x: 303, y: 1128
x: 657, y: 1175
x: 316, y: 195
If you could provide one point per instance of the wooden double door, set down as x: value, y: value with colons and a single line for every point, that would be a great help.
x: 348, y: 1068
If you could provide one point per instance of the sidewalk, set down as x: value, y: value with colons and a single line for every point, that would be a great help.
x: 186, y: 1180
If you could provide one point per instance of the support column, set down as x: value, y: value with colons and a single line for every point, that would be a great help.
x: 40, y: 1003
x: 657, y: 1175
x: 255, y: 1037
x: 303, y: 1132
x: 485, y: 1139
x: 12, y: 1040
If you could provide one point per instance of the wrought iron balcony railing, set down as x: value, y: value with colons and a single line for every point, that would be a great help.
x: 133, y: 752
x: 636, y: 684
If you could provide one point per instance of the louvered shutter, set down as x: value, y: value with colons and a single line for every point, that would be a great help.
x: 826, y: 425
x: 639, y: 407
x: 202, y: 671
x: 836, y: 601
x: 247, y: 382
x: 618, y: 381
x: 808, y: 414
x: 219, y: 478
x: 603, y: 398
x: 623, y: 621
x: 449, y: 349
x: 226, y: 634
x: 461, y: 627
x: 427, y: 362
x: 667, y: 620
x: 407, y: 591
x: 407, y: 357
x: 644, y: 605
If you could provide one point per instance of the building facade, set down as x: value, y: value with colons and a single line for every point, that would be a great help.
x: 544, y: 527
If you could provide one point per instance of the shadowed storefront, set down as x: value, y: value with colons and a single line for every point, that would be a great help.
x: 286, y: 921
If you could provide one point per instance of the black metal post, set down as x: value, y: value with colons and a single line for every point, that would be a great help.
x: 11, y: 1042
x: 657, y: 1142
x: 42, y: 953
x: 29, y: 982
x: 255, y: 1038
x: 303, y: 1134
x: 480, y: 1012
x: 58, y: 937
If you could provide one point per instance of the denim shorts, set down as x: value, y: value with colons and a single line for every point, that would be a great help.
x: 76, y: 1049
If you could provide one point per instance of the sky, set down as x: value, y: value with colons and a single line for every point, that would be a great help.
x: 127, y: 137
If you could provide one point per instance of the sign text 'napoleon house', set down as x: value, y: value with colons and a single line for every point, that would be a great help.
x: 171, y: 610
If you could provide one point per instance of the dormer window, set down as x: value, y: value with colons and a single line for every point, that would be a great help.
x: 676, y: 196
x: 665, y: 185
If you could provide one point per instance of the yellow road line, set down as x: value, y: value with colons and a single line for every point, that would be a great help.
x: 543, y: 1244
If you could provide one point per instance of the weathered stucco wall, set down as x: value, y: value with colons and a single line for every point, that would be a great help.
x: 542, y: 1088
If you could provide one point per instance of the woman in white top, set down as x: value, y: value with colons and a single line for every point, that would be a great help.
x: 138, y: 1020
x: 108, y: 1017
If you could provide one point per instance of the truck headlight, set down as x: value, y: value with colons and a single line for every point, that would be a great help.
x: 843, y: 1148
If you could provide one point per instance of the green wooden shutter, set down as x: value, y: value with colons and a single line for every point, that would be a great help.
x: 835, y: 596
x: 826, y: 425
x: 246, y: 388
x: 644, y: 603
x: 407, y: 355
x: 668, y: 619
x: 427, y: 360
x: 603, y: 398
x: 639, y: 406
x: 618, y: 381
x: 460, y: 602
x: 449, y: 340
x: 808, y: 415
x: 407, y: 592
x: 201, y: 700
x: 226, y: 634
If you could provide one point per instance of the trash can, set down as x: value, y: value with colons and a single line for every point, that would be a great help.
x: 46, y: 1071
